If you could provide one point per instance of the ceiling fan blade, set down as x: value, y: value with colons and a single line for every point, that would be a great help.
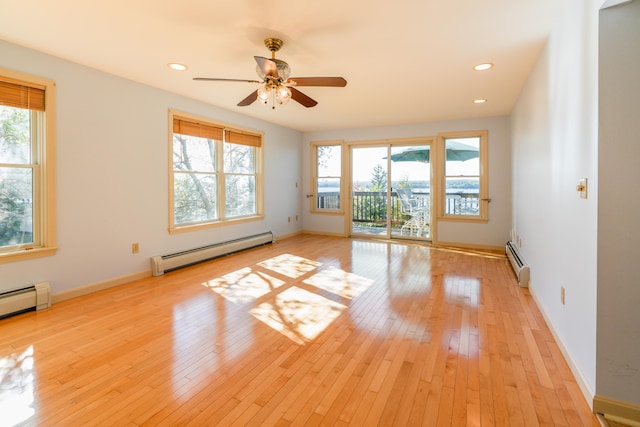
x: 213, y: 79
x: 268, y: 67
x: 249, y: 99
x: 318, y: 81
x: 302, y: 98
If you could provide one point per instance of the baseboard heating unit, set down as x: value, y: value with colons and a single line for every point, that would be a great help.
x: 520, y: 267
x: 163, y: 263
x: 26, y: 298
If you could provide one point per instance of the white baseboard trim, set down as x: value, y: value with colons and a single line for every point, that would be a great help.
x: 324, y: 233
x: 88, y: 289
x: 286, y: 236
x: 615, y: 410
x: 476, y: 246
x: 586, y: 390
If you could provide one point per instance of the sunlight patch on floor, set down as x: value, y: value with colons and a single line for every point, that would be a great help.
x: 16, y: 387
x: 339, y: 282
x: 298, y: 314
x: 243, y: 285
x: 290, y: 265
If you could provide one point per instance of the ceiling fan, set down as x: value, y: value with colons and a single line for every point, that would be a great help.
x: 276, y: 83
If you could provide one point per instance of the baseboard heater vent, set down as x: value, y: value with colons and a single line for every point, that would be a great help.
x: 23, y: 299
x: 163, y: 263
x: 520, y: 267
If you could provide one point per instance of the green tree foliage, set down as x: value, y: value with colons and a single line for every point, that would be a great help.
x: 196, y: 179
x: 374, y: 205
x: 194, y: 194
x: 239, y: 166
x: 15, y: 185
x: 378, y: 178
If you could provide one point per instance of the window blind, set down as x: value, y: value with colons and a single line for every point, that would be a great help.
x: 18, y: 94
x: 193, y: 128
x: 243, y: 138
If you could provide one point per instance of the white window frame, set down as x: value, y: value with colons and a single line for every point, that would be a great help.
x: 43, y: 147
x: 221, y: 216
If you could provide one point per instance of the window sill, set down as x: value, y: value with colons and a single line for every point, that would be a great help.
x: 25, y: 254
x: 327, y: 212
x: 195, y: 227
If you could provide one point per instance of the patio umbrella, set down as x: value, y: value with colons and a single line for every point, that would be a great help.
x: 456, y: 151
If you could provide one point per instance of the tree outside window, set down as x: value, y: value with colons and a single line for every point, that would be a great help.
x: 16, y: 178
x: 327, y: 177
x: 216, y: 174
x: 26, y: 180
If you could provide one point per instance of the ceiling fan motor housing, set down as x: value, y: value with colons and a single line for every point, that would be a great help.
x: 282, y: 69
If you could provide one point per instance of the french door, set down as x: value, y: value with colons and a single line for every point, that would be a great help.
x: 391, y: 190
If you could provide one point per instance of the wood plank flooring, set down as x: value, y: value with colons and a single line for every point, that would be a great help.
x: 309, y: 331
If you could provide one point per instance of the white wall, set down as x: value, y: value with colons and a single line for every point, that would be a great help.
x: 493, y: 233
x: 554, y: 128
x: 618, y: 352
x: 112, y: 137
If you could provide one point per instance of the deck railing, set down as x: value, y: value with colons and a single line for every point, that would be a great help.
x: 369, y: 206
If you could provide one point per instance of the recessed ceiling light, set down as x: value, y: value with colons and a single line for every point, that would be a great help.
x: 177, y: 66
x: 479, y: 101
x: 483, y: 66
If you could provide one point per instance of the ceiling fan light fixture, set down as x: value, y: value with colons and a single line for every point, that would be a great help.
x: 264, y: 93
x: 283, y: 94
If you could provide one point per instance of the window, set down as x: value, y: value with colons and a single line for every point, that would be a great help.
x: 216, y: 173
x: 27, y: 160
x: 464, y: 177
x: 326, y: 167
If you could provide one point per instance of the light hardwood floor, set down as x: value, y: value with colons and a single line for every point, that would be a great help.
x: 309, y: 331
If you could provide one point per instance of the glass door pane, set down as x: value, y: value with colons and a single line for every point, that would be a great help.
x: 369, y: 191
x: 462, y: 176
x: 410, y: 197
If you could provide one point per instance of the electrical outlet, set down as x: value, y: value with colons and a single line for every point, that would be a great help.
x: 296, y: 217
x: 288, y: 219
x: 135, y: 248
x: 562, y: 294
x: 582, y: 187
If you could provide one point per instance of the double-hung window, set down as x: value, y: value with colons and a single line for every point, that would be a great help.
x: 27, y: 160
x: 216, y: 173
x: 326, y: 167
x: 464, y: 175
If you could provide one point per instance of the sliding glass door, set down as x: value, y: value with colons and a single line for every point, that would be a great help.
x: 391, y: 190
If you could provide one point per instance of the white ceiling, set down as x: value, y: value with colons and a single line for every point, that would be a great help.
x: 405, y: 61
